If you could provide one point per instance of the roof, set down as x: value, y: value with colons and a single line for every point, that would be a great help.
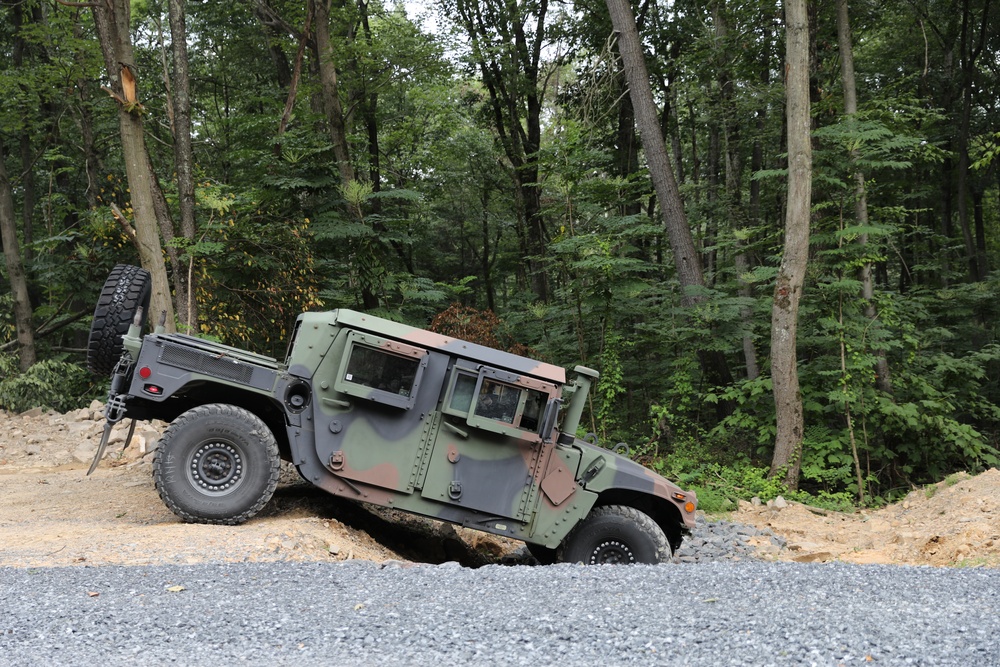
x: 455, y: 346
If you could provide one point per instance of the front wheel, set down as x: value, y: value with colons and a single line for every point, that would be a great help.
x: 216, y: 463
x: 615, y: 534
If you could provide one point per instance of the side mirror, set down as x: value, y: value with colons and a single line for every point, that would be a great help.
x: 549, y: 419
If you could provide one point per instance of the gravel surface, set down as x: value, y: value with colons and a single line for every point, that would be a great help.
x: 360, y: 613
x: 713, y: 540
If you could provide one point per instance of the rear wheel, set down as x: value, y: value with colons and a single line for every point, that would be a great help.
x: 216, y: 463
x: 616, y: 534
x: 126, y: 289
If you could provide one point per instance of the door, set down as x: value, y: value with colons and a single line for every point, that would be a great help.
x: 488, y: 451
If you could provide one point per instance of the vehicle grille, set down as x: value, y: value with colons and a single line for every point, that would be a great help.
x: 207, y: 363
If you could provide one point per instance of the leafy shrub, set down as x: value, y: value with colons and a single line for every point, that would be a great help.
x: 53, y: 384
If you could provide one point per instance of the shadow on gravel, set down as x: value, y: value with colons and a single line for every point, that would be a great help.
x: 415, y: 538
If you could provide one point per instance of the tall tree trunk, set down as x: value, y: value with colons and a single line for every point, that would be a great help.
x: 90, y: 159
x: 331, y: 95
x: 971, y: 48
x: 847, y: 76
x: 734, y: 189
x: 111, y: 17
x: 686, y: 259
x: 791, y: 276
x: 187, y: 306
x: 15, y: 270
x: 21, y: 47
x: 510, y: 65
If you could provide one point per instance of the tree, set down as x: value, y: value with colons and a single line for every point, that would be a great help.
x: 687, y: 261
x: 112, y: 20
x: 15, y: 269
x: 787, y: 458
x: 507, y: 37
x: 187, y: 303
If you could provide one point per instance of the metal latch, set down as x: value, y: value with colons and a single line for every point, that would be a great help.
x: 593, y: 470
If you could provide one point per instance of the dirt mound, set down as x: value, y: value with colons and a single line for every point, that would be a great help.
x: 954, y: 522
x: 51, y: 513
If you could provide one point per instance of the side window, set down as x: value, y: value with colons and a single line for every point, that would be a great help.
x: 534, y: 408
x: 381, y: 370
x: 464, y: 388
x: 498, y: 401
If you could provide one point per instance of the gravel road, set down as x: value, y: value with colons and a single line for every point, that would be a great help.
x: 361, y: 613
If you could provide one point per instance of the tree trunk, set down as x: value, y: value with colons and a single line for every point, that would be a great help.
x: 183, y: 161
x: 686, y: 258
x: 791, y: 276
x: 509, y: 63
x: 847, y: 76
x: 21, y: 47
x: 111, y: 19
x: 331, y: 96
x: 15, y: 270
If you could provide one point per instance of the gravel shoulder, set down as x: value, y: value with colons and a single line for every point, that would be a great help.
x: 360, y: 613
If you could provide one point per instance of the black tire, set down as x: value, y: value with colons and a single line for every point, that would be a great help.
x: 216, y: 463
x: 126, y: 289
x: 615, y: 534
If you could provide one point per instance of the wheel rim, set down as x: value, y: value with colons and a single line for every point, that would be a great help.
x: 216, y: 467
x: 612, y: 552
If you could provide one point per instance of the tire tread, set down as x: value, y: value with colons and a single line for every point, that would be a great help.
x: 642, y: 520
x: 126, y: 288
x: 218, y: 410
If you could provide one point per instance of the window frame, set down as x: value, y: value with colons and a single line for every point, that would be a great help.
x: 358, y: 339
x: 520, y: 383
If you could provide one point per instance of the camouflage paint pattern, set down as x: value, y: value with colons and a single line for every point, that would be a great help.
x: 388, y: 414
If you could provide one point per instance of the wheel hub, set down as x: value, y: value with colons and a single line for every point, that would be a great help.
x: 216, y: 467
x: 612, y: 552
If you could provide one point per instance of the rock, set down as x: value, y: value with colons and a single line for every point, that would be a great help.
x: 33, y: 450
x: 96, y: 405
x: 33, y: 412
x: 780, y: 503
x: 755, y: 501
x: 85, y: 453
x: 817, y: 557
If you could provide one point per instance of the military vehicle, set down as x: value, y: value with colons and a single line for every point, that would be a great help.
x: 383, y: 413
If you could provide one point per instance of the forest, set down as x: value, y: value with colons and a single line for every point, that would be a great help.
x: 771, y: 226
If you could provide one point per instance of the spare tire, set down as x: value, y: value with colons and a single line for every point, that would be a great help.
x: 125, y: 291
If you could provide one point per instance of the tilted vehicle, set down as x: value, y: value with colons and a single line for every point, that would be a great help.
x: 387, y: 414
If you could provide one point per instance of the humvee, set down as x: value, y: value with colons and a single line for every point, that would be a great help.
x: 383, y: 413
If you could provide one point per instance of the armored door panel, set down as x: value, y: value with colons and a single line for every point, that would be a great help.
x: 486, y: 453
x: 375, y: 407
x: 479, y: 470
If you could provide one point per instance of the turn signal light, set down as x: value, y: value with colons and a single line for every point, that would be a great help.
x: 679, y: 496
x: 689, y: 507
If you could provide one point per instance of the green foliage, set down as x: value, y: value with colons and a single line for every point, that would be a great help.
x: 53, y: 384
x: 719, y: 487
